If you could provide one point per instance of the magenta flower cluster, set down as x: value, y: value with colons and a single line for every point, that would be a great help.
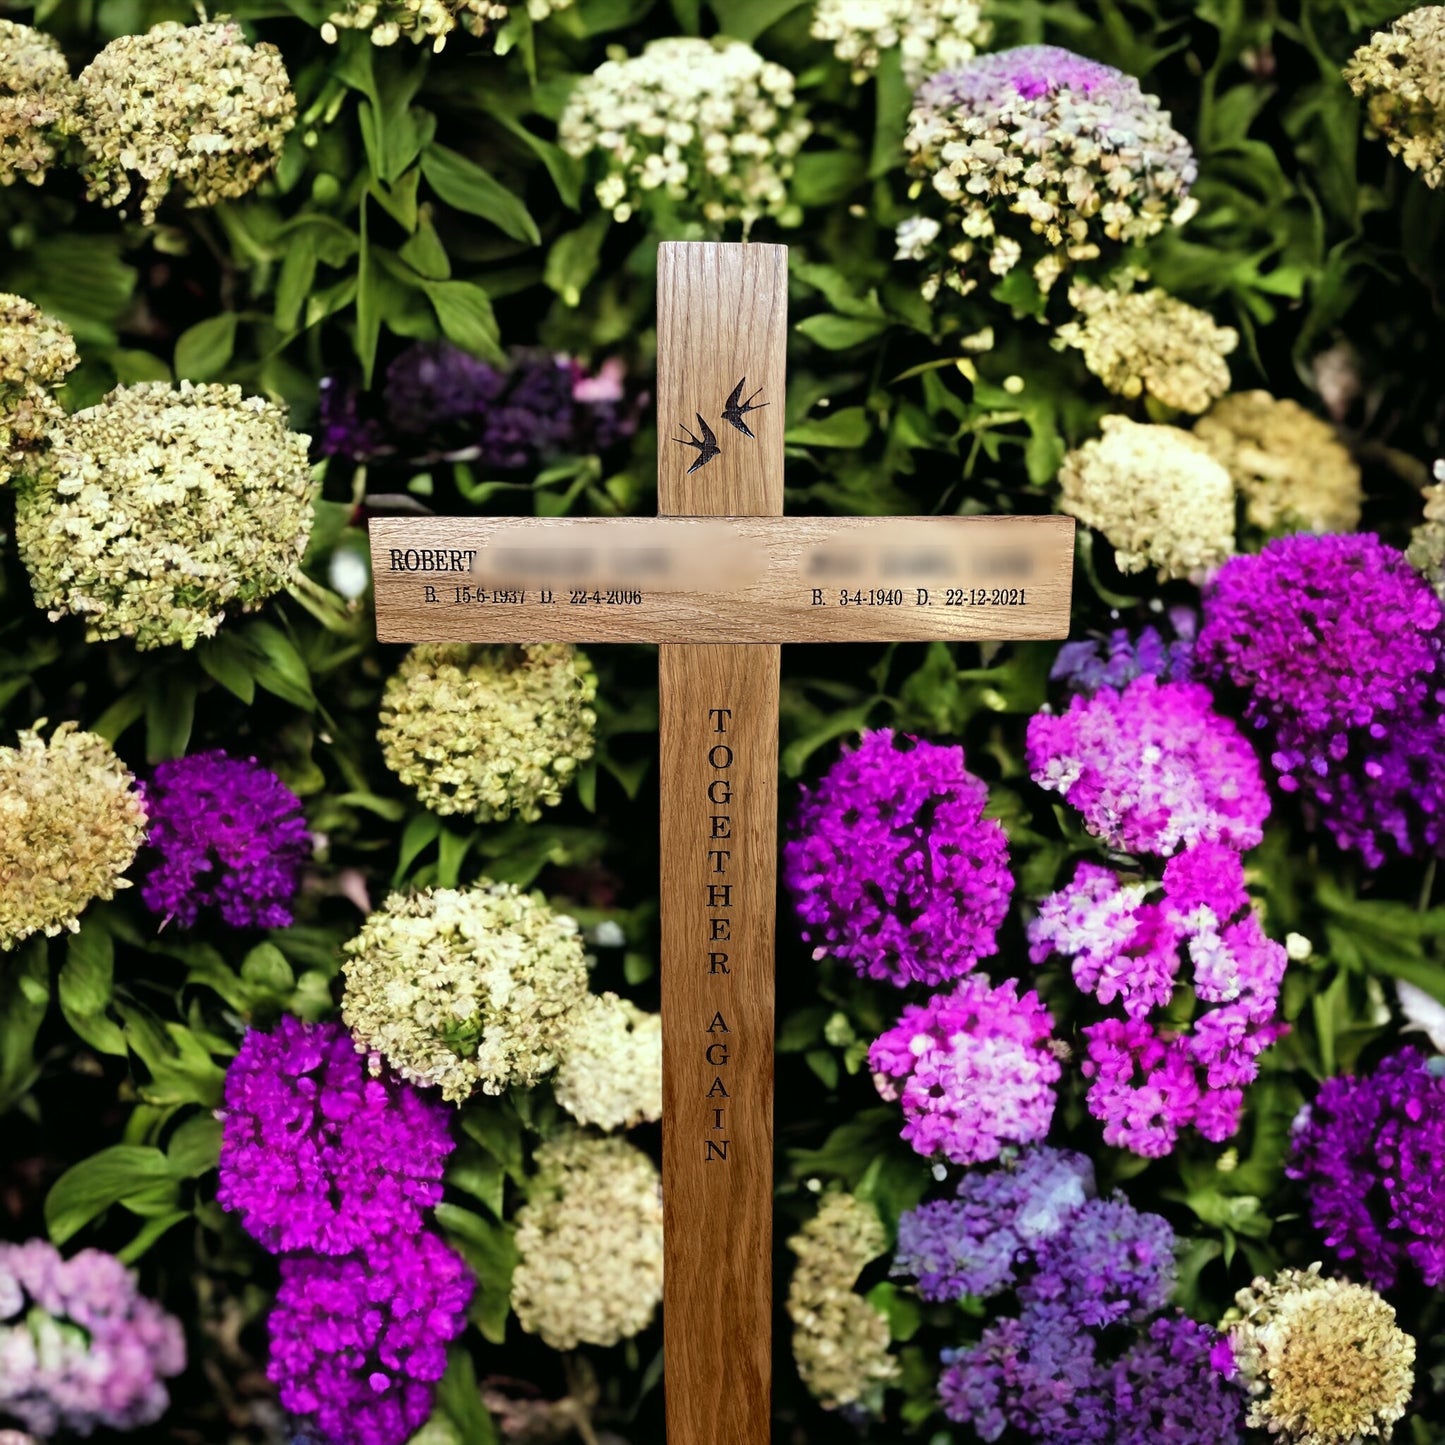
x: 1370, y: 1151
x: 1129, y: 942
x: 80, y: 1348
x: 230, y: 836
x: 973, y: 1069
x: 1151, y: 768
x: 1335, y: 646
x: 332, y: 1165
x: 893, y: 866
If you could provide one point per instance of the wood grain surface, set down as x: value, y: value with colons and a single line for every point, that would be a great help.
x: 722, y: 317
x: 739, y: 579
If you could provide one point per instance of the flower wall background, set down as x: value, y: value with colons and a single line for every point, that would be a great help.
x: 1111, y: 973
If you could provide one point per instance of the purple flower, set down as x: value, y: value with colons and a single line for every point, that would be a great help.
x: 230, y: 836
x: 79, y: 1347
x: 341, y: 429
x: 973, y: 1070
x: 434, y: 384
x: 317, y: 1153
x: 972, y: 1244
x: 1371, y: 1152
x: 1115, y: 661
x: 1152, y: 768
x: 1335, y: 645
x: 359, y: 1342
x: 893, y: 866
x: 1168, y: 1388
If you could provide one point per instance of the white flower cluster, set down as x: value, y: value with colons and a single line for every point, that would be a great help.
x: 930, y: 35
x: 37, y: 352
x: 710, y: 129
x: 418, y: 20
x: 1400, y: 74
x: 611, y: 1069
x: 37, y: 99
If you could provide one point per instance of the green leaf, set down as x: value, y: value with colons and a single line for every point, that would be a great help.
x: 195, y: 1147
x: 85, y: 985
x: 464, y: 313
x: 267, y: 969
x: 399, y: 200
x: 228, y: 661
x: 424, y: 252
x: 574, y: 256
x: 24, y: 999
x: 462, y: 183
x: 460, y: 1400
x: 170, y: 714
x: 747, y: 19
x: 566, y: 172
x: 150, y: 1232
x: 297, y: 275
x: 489, y: 1249
x: 279, y: 667
x: 838, y: 333
x: 89, y: 1188
x: 495, y: 1126
x: 846, y: 428
x: 204, y: 350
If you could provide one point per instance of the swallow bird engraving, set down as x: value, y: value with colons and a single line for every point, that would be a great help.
x: 735, y: 409
x: 707, y: 448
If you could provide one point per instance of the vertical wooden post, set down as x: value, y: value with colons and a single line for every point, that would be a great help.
x: 721, y: 372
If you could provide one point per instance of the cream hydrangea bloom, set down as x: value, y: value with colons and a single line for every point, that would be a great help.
x: 589, y: 1243
x: 1155, y: 493
x: 418, y: 20
x: 37, y: 352
x: 71, y: 820
x: 611, y: 1069
x: 37, y: 98
x: 840, y: 1342
x: 1323, y: 1359
x: 931, y: 35
x: 1400, y: 74
x: 193, y: 106
x: 1290, y: 466
x: 488, y: 731
x: 465, y: 988
x: 712, y: 127
x: 1427, y: 541
x: 1146, y: 342
x: 161, y: 507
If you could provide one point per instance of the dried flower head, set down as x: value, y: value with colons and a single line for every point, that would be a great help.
x: 708, y: 130
x: 1323, y: 1359
x: 36, y: 354
x: 418, y: 20
x: 589, y: 1243
x: 840, y: 1341
x: 193, y: 106
x: 71, y: 820
x: 1146, y: 342
x: 1038, y: 154
x: 465, y: 988
x: 1293, y: 471
x: 159, y: 508
x: 1400, y: 75
x: 611, y: 1069
x: 489, y: 731
x: 1155, y: 493
x: 37, y: 96
x: 931, y: 35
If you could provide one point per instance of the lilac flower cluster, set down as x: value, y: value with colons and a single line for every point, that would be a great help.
x: 442, y: 403
x: 331, y: 1163
x: 1335, y: 643
x: 80, y: 1349
x: 1152, y: 768
x: 1128, y: 942
x: 893, y: 865
x: 1370, y: 1150
x: 972, y: 1068
x: 1115, y: 661
x: 230, y: 836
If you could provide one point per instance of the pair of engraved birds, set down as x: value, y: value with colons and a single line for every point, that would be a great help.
x: 734, y: 410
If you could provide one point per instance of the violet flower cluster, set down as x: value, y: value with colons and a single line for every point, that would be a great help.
x: 973, y: 1069
x: 331, y: 1162
x: 1151, y: 768
x: 1129, y: 941
x: 893, y: 866
x: 1335, y: 644
x: 441, y: 403
x: 1370, y: 1151
x: 1093, y: 663
x: 230, y: 836
x: 80, y: 1348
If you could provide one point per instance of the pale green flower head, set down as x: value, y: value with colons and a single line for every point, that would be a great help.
x: 589, y: 1243
x: 1400, y: 75
x: 930, y: 35
x: 36, y: 354
x: 418, y: 20
x: 708, y: 129
x: 465, y: 988
x: 840, y: 1342
x: 71, y: 820
x: 191, y: 106
x: 1323, y: 1359
x: 611, y: 1070
x: 37, y: 100
x: 491, y: 732
x: 161, y: 508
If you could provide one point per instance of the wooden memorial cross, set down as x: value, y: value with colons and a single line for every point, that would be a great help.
x: 718, y: 596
